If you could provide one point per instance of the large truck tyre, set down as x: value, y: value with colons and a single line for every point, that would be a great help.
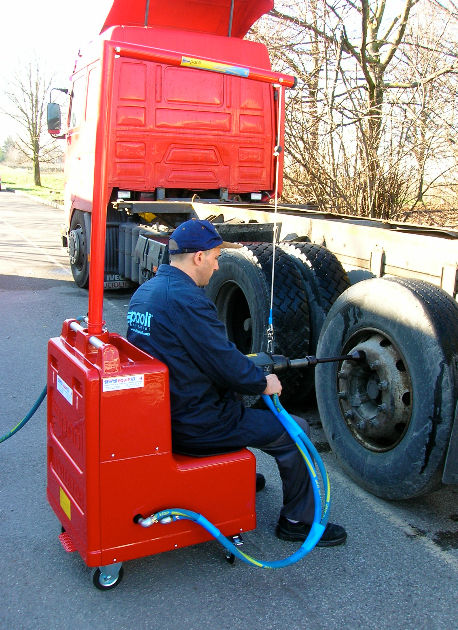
x: 79, y: 238
x: 290, y: 314
x: 388, y: 417
x: 290, y: 308
x: 324, y: 279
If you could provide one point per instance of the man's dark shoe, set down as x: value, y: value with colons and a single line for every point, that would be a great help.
x: 332, y: 536
x: 260, y: 482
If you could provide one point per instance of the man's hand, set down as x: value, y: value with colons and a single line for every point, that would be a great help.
x: 273, y: 385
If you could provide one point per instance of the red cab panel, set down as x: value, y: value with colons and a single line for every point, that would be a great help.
x: 207, y: 16
x: 187, y: 129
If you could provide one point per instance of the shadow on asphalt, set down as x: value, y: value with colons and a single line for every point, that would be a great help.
x: 25, y: 283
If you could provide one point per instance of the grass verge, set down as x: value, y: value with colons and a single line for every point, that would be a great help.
x: 21, y: 179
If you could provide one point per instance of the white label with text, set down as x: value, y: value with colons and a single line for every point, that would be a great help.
x: 65, y: 390
x: 115, y: 383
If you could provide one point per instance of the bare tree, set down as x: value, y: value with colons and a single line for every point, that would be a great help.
x: 431, y: 108
x: 28, y: 94
x: 352, y: 59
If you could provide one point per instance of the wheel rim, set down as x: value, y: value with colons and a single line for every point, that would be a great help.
x: 107, y: 580
x: 375, y: 394
x: 76, y: 247
x: 234, y: 312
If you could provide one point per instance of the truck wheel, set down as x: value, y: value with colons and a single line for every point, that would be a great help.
x: 290, y: 314
x: 241, y: 296
x: 78, y: 248
x: 388, y: 417
x: 324, y: 280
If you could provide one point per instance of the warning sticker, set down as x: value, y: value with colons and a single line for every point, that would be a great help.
x: 132, y: 381
x: 65, y: 503
x: 65, y: 390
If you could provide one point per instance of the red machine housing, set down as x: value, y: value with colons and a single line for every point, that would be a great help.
x: 110, y: 455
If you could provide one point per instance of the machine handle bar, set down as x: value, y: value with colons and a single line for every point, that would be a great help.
x: 94, y: 341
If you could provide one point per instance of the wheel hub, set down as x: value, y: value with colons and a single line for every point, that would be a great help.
x: 76, y: 246
x: 375, y: 393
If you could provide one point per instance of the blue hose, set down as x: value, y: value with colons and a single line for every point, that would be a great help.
x: 299, y: 437
x: 306, y: 447
x: 24, y: 421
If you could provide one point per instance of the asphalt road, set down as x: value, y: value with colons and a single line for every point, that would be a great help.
x: 398, y: 569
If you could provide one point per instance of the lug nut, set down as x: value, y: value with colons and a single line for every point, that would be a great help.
x: 247, y: 324
x: 383, y: 385
x: 382, y: 407
x: 374, y: 365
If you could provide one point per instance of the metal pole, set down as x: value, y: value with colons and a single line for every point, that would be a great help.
x: 146, y: 12
x: 148, y: 53
x: 99, y: 209
x: 230, y: 19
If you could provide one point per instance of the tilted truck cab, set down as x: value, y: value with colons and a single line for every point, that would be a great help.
x: 176, y: 130
x: 194, y: 114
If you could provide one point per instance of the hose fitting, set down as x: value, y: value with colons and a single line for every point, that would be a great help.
x: 145, y: 522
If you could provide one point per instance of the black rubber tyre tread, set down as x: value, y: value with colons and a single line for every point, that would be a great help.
x: 290, y: 309
x: 324, y: 280
x: 422, y: 321
x: 81, y: 274
x: 290, y: 314
x: 328, y: 274
x: 439, y: 302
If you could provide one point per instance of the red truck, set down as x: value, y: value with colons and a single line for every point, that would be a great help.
x: 173, y: 115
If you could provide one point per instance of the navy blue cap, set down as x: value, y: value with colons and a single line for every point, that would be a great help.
x: 196, y: 235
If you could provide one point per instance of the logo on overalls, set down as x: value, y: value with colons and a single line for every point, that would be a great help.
x: 139, y: 322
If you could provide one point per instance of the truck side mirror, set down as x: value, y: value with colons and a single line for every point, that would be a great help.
x: 54, y: 118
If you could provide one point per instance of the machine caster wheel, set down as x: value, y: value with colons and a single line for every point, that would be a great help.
x: 238, y: 542
x: 106, y: 578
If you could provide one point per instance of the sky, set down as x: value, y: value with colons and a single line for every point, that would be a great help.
x: 49, y: 30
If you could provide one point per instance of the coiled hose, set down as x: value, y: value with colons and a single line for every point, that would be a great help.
x: 321, y: 515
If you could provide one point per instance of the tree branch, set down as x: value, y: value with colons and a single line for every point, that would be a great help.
x: 346, y: 44
x: 414, y: 84
x: 398, y: 39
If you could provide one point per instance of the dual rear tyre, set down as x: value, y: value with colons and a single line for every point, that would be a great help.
x: 307, y: 280
x: 389, y: 416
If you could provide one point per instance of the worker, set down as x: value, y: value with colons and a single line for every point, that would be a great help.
x: 171, y: 318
